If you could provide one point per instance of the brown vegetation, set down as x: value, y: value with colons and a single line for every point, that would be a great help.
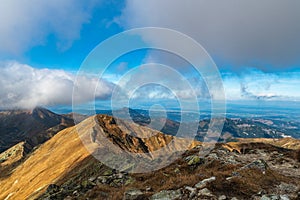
x: 64, y: 161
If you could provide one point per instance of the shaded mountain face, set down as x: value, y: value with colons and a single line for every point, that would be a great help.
x: 31, y: 126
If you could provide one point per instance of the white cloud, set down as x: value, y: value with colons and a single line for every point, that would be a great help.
x: 260, y: 34
x: 250, y: 85
x: 23, y: 86
x: 255, y: 84
x: 24, y: 24
x: 157, y: 81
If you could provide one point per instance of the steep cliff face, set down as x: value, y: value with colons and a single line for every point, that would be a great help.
x: 140, y: 139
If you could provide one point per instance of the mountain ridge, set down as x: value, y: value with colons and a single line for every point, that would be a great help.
x: 33, y: 127
x: 48, y: 163
x: 63, y: 167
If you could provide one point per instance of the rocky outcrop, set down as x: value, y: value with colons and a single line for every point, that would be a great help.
x: 253, y: 175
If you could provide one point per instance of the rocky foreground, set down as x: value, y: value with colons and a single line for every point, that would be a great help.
x: 62, y: 168
x: 260, y: 171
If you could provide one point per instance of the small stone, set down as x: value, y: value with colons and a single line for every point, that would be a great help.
x: 274, y: 197
x: 75, y: 193
x: 166, y: 195
x: 177, y: 170
x: 191, y: 190
x: 148, y: 189
x: 103, y: 179
x: 166, y: 175
x: 119, y: 175
x: 108, y: 172
x: 262, y: 192
x: 265, y: 197
x: 203, y: 183
x: 92, y: 179
x: 284, y: 197
x: 205, y: 192
x: 222, y: 197
x: 132, y: 194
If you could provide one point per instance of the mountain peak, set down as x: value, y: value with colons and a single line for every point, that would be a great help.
x: 34, y: 126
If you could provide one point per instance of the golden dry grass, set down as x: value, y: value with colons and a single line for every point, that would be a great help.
x: 46, y: 165
x: 61, y: 154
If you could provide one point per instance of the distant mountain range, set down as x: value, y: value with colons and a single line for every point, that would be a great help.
x: 233, y: 127
x: 36, y: 126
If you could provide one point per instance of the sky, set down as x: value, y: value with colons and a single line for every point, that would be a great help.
x: 255, y: 45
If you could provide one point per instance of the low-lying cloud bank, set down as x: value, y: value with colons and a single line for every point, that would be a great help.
x: 254, y: 84
x: 23, y: 86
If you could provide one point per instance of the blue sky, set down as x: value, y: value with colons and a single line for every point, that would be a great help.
x: 98, y: 27
x: 43, y: 44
